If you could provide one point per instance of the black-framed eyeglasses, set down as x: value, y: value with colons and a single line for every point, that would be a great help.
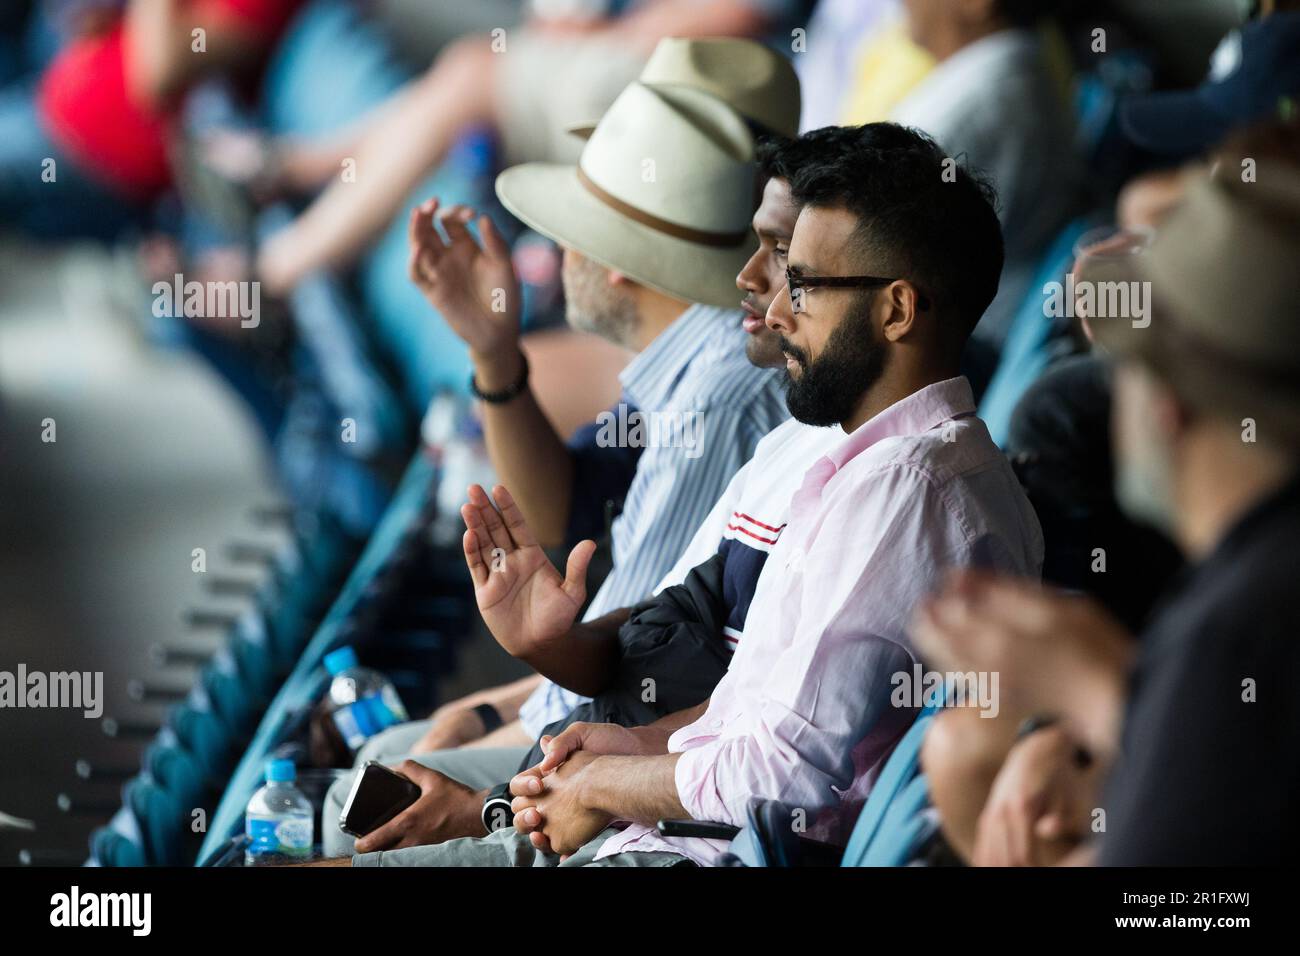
x: 798, y: 284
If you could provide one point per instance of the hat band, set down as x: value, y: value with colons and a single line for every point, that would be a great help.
x: 722, y: 239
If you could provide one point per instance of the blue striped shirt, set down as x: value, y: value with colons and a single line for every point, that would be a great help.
x: 701, y: 408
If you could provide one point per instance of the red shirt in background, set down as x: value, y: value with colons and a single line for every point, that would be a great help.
x: 87, y: 110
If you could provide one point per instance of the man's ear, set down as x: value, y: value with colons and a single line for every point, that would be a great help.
x: 615, y: 278
x: 898, y: 301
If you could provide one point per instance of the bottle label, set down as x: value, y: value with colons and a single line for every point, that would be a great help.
x: 279, y: 836
x: 362, y: 719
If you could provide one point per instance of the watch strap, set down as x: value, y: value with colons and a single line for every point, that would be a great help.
x: 490, y: 716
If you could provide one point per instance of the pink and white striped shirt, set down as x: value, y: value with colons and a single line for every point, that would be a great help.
x: 803, y: 714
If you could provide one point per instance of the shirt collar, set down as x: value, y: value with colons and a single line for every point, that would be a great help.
x: 918, y: 413
x: 649, y: 379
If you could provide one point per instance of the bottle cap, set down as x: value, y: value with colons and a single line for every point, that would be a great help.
x: 340, y: 660
x: 281, y: 771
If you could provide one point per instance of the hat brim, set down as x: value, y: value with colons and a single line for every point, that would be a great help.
x: 1175, y: 123
x: 549, y: 198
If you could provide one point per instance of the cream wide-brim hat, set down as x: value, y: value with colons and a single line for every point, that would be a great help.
x: 754, y: 80
x: 685, y: 230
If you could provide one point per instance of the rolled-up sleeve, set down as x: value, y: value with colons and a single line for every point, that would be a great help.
x: 827, y: 700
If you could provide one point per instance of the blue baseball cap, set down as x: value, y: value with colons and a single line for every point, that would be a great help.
x: 1253, y: 71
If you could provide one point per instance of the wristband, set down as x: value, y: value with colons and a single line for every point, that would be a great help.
x: 511, y: 391
x: 490, y: 716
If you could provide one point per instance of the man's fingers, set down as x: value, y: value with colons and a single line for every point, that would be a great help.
x: 540, y: 840
x: 423, y: 234
x: 453, y: 221
x: 939, y: 646
x: 413, y: 247
x: 477, y: 569
x: 1053, y: 826
x: 493, y: 241
x: 474, y: 523
x: 513, y: 517
x: 570, y: 740
x: 385, y: 836
x: 1027, y: 608
x: 1020, y: 827
x: 496, y: 528
x: 527, y: 784
x: 528, y: 819
x: 575, y: 572
x: 956, y: 635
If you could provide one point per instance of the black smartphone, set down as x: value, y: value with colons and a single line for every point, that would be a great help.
x: 697, y: 828
x: 378, y: 794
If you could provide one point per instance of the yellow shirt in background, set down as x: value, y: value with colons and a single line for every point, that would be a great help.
x: 889, y: 66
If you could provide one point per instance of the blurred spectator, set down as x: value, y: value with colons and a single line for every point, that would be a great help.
x: 1253, y: 74
x: 859, y: 62
x: 1208, y: 440
x: 88, y: 150
x: 995, y: 101
x: 1059, y: 444
x: 889, y: 66
x: 529, y: 87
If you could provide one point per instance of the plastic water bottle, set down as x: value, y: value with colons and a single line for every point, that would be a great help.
x: 363, y: 701
x: 454, y: 436
x: 278, y: 820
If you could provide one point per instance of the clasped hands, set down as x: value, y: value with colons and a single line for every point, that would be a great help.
x: 554, y: 801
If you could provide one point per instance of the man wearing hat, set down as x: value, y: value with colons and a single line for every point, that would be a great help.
x: 566, y: 501
x: 715, y: 372
x: 1195, y: 721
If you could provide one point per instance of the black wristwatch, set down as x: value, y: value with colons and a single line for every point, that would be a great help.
x: 490, y: 716
x: 497, y: 814
x: 513, y: 390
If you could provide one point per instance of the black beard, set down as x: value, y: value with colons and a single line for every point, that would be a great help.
x: 828, y: 391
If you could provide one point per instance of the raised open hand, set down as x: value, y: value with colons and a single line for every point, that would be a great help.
x: 473, y: 286
x: 522, y: 597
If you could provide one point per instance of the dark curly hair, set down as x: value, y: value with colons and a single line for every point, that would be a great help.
x: 921, y: 213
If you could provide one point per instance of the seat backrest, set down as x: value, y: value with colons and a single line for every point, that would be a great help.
x: 305, y: 684
x: 1027, y: 348
x: 891, y: 800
